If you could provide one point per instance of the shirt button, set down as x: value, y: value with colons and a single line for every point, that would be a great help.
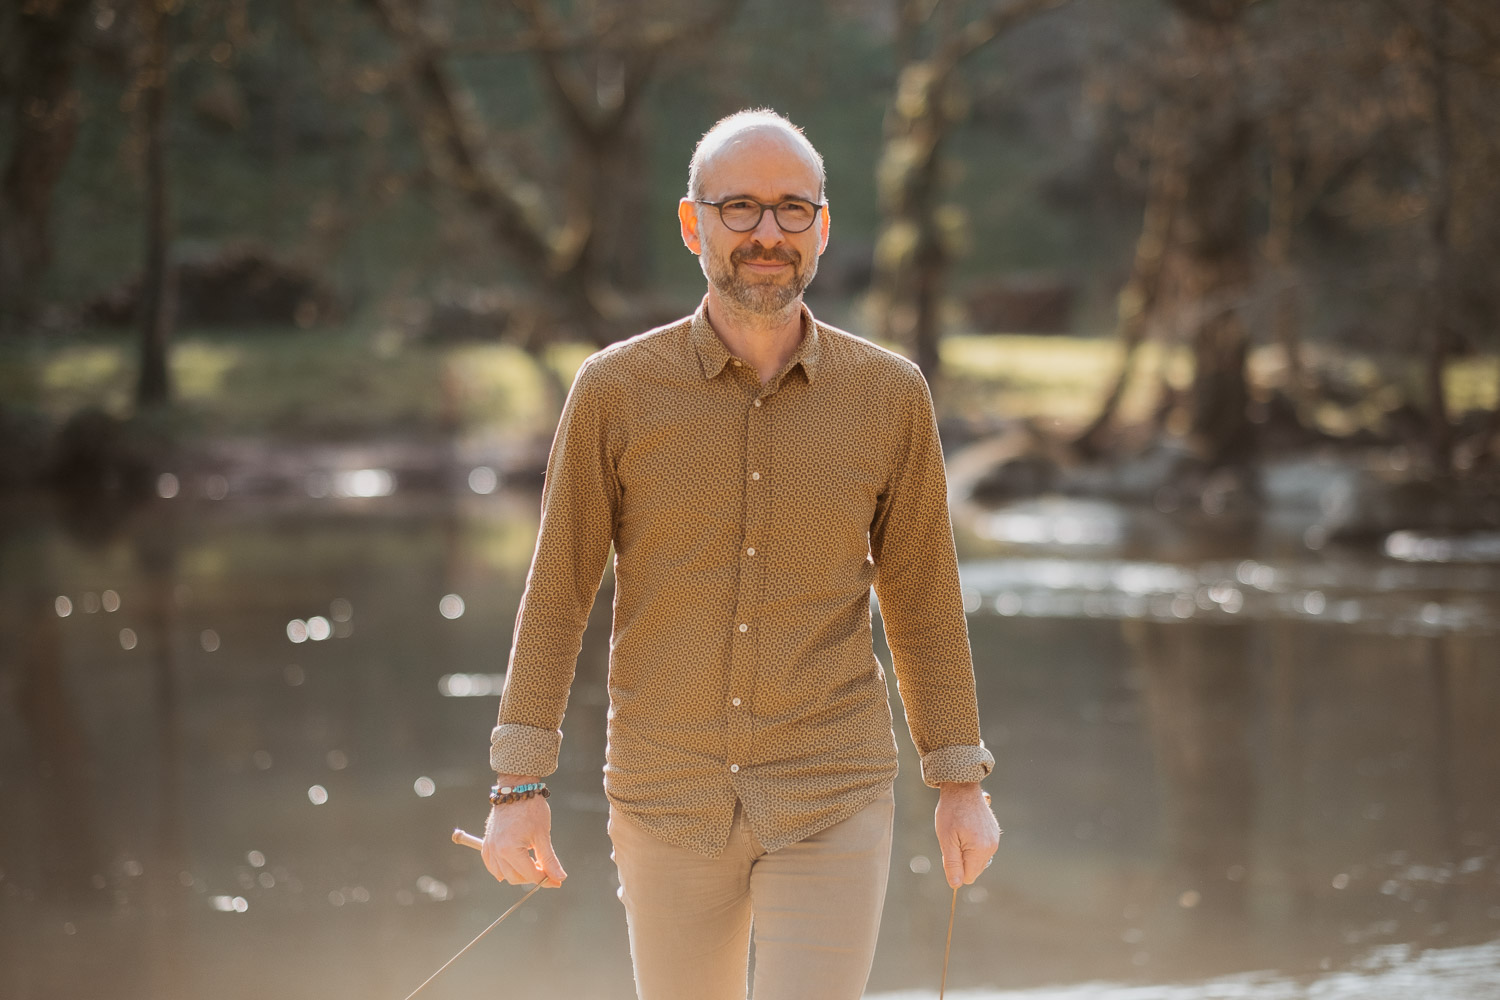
x: 757, y: 402
x: 744, y: 627
x: 735, y: 768
x: 750, y: 551
x: 755, y: 475
x: 735, y: 702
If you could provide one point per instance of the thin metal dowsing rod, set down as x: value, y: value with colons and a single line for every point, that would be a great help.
x: 469, y: 840
x: 943, y: 986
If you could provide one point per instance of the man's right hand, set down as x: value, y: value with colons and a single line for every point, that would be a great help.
x: 518, y: 843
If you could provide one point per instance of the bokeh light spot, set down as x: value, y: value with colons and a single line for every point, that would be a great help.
x: 424, y: 786
x: 209, y: 640
x: 256, y: 859
x: 167, y: 486
x: 482, y: 480
x: 127, y: 638
x: 470, y: 685
x: 110, y: 601
x: 317, y: 795
x: 319, y: 628
x: 296, y: 630
x: 63, y: 606
x: 435, y: 890
x: 451, y: 606
x: 366, y: 483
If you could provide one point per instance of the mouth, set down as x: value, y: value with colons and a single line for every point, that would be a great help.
x: 763, y: 264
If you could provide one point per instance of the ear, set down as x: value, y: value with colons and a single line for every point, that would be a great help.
x: 687, y: 217
x: 823, y: 224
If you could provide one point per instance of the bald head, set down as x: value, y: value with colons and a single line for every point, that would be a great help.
x: 743, y: 128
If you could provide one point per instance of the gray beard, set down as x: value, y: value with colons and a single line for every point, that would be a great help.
x: 759, y: 298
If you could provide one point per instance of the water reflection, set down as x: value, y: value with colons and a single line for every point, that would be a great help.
x: 1196, y: 688
x: 1055, y: 521
x: 1400, y: 600
x: 1211, y: 771
x: 1396, y: 973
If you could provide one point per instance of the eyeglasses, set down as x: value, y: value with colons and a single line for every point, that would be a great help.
x: 741, y: 215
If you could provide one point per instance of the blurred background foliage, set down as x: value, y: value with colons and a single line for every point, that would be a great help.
x: 1233, y: 224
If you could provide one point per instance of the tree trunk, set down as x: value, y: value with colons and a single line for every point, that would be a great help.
x: 916, y: 242
x: 1215, y: 253
x: 931, y: 275
x: 1440, y: 430
x: 1138, y: 299
x: 628, y: 256
x: 46, y: 123
x: 912, y: 255
x: 154, y: 387
x: 1278, y: 249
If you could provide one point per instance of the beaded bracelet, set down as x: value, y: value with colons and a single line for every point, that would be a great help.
x: 504, y: 794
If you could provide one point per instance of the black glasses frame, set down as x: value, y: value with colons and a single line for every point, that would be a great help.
x: 818, y: 206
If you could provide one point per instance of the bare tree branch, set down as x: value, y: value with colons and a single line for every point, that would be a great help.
x: 999, y: 20
x: 456, y: 141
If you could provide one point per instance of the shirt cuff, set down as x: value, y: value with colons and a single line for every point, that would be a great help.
x: 518, y: 749
x: 961, y: 764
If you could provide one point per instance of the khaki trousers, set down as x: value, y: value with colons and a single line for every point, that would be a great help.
x: 814, y: 907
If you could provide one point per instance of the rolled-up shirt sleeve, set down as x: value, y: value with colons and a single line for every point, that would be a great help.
x: 580, y: 499
x: 916, y: 582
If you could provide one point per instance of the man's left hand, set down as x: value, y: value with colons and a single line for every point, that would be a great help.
x: 967, y: 831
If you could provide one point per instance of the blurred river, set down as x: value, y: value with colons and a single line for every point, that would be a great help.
x: 236, y: 733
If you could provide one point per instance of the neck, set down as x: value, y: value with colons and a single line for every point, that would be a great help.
x: 765, y: 340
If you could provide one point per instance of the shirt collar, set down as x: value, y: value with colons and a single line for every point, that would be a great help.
x: 713, y: 355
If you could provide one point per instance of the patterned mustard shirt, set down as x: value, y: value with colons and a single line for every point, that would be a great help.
x: 748, y: 523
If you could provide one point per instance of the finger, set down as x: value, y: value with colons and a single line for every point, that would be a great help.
x: 974, y: 860
x: 953, y: 862
x: 490, y: 852
x: 506, y: 872
x: 547, y: 859
x: 493, y: 865
x: 518, y: 868
x: 530, y: 872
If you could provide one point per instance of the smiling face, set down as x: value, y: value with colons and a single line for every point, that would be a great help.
x: 763, y: 271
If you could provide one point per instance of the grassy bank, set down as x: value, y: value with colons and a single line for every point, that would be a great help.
x: 349, y: 383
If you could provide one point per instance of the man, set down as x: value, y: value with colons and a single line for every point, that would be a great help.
x: 756, y: 473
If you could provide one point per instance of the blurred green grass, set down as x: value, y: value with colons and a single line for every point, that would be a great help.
x: 339, y: 383
x: 349, y: 382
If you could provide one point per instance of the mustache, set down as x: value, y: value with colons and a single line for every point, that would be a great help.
x: 771, y: 255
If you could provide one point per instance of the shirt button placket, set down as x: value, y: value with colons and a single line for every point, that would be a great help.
x: 746, y: 632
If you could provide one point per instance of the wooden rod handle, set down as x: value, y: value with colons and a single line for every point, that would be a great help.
x: 467, y: 839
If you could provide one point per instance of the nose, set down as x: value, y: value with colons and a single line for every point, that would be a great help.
x: 767, y: 232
